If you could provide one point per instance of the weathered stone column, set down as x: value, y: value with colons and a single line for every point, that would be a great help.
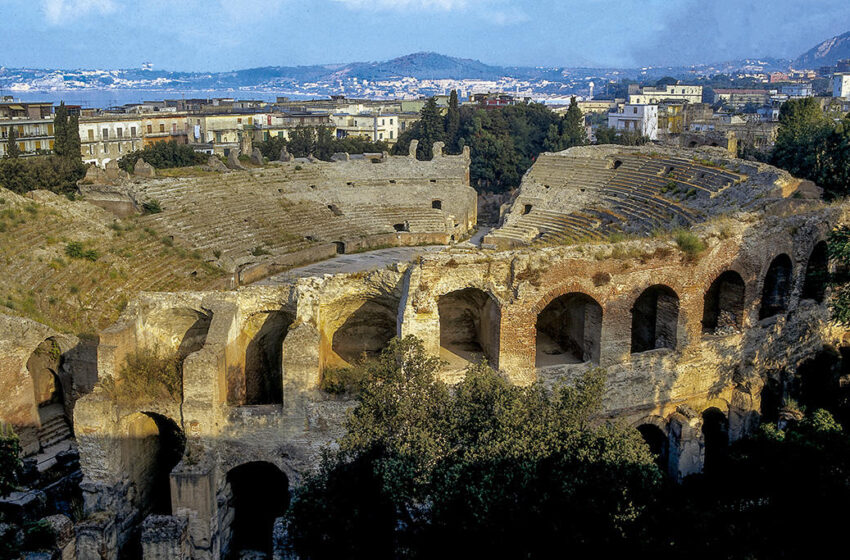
x: 97, y: 537
x: 165, y: 537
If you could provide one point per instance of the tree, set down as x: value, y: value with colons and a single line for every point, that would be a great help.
x: 433, y: 129
x: 10, y: 462
x: 573, y: 132
x: 60, y: 130
x: 475, y: 466
x: 452, y: 125
x: 73, y: 146
x: 12, y: 148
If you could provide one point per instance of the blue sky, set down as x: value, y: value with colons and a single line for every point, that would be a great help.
x: 228, y: 34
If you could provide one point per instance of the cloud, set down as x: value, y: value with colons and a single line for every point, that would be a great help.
x: 496, y: 12
x: 61, y: 11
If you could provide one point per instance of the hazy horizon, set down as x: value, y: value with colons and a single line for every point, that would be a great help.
x: 214, y: 36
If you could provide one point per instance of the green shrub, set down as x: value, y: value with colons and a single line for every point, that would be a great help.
x: 10, y: 461
x: 689, y: 243
x: 339, y: 381
x: 259, y: 250
x: 76, y: 250
x: 163, y: 155
x: 151, y: 206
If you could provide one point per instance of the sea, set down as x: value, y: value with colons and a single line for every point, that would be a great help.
x: 105, y: 98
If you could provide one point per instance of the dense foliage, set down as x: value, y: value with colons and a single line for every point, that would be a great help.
x: 319, y: 142
x: 163, y: 155
x: 775, y: 496
x: 58, y: 172
x: 490, y: 467
x: 10, y: 462
x: 503, y: 142
x: 811, y: 145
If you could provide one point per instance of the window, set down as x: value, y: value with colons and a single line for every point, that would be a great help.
x: 133, y: 131
x: 105, y: 134
x: 150, y: 129
x: 634, y: 110
x: 173, y: 128
x: 91, y: 135
x: 382, y: 122
x: 120, y: 132
x: 37, y: 145
x: 161, y: 127
x: 239, y: 121
x: 391, y: 135
x: 391, y: 122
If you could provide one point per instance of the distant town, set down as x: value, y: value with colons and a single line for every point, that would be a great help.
x: 742, y: 115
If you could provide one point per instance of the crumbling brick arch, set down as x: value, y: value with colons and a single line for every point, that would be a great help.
x: 151, y: 446
x: 817, y: 273
x: 470, y: 321
x: 776, y: 288
x: 258, y: 493
x: 655, y: 319
x: 569, y: 330
x: 723, y: 304
x: 260, y: 379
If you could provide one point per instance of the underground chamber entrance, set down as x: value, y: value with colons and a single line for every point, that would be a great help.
x: 259, y: 495
x: 469, y: 327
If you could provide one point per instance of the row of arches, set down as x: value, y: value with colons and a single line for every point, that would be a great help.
x: 664, y: 442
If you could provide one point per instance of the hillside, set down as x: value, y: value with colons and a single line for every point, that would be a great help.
x: 82, y: 295
x: 826, y: 53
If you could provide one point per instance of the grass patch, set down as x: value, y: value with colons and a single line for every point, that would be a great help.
x: 77, y: 250
x: 147, y: 375
x: 689, y: 243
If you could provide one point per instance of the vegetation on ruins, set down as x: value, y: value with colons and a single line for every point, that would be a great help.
x: 77, y: 250
x: 10, y: 462
x: 163, y: 155
x: 812, y: 146
x: 503, y: 142
x: 319, y: 142
x: 147, y: 374
x: 689, y: 243
x: 58, y: 172
x: 422, y: 465
x: 607, y: 135
x: 838, y: 247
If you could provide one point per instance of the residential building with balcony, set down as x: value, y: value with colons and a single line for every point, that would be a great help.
x: 33, y: 124
x: 108, y: 137
x: 642, y: 119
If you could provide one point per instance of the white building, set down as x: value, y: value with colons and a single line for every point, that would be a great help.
x: 654, y: 95
x: 111, y: 137
x: 841, y: 85
x: 642, y: 119
x: 797, y: 91
x: 373, y: 127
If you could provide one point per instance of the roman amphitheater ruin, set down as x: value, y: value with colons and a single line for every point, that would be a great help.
x: 581, y: 272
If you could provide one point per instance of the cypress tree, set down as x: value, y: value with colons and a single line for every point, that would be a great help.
x: 60, y: 130
x: 12, y: 149
x: 73, y: 146
x: 453, y: 122
x: 573, y: 132
x: 433, y: 129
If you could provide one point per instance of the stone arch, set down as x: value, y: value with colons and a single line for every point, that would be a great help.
x: 469, y: 326
x: 369, y: 326
x: 340, y: 247
x: 261, y: 379
x: 180, y: 329
x: 151, y: 446
x: 658, y: 441
x: 723, y: 304
x: 655, y: 319
x: 259, y: 493
x: 817, y: 273
x: 715, y: 433
x: 777, y: 287
x: 50, y: 395
x: 569, y: 330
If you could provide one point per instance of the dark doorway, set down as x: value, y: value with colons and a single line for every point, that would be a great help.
x: 655, y: 318
x: 260, y: 494
x: 777, y: 287
x: 715, y: 432
x: 723, y: 305
x: 658, y: 444
x: 817, y: 273
x: 569, y: 330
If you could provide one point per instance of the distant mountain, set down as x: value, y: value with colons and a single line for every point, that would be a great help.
x: 827, y: 53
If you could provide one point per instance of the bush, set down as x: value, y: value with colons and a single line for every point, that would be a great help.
x: 10, y: 461
x: 163, y: 155
x: 151, y: 206
x: 147, y: 374
x: 76, y: 250
x: 52, y: 173
x: 689, y: 243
